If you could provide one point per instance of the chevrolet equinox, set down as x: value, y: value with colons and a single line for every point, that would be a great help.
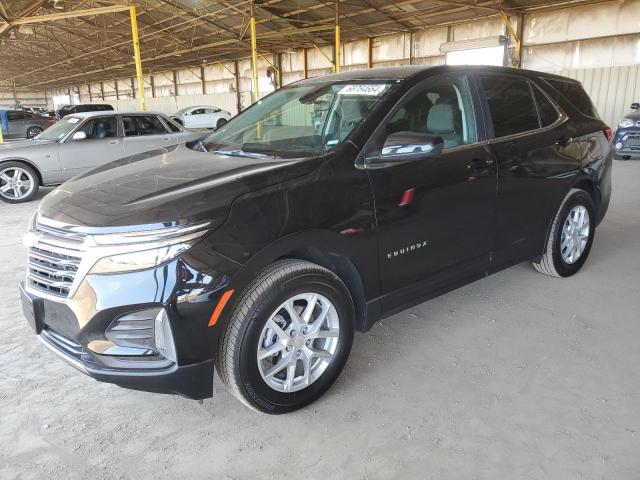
x: 260, y: 249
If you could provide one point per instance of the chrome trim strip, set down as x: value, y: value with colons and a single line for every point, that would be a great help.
x: 77, y: 364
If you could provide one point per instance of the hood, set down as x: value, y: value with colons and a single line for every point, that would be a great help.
x: 164, y: 186
x: 633, y: 115
x: 12, y: 147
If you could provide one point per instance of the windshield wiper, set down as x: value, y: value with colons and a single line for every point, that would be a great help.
x: 241, y: 153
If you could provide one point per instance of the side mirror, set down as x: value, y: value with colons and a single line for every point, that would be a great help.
x: 635, y: 106
x: 79, y: 136
x: 411, y: 146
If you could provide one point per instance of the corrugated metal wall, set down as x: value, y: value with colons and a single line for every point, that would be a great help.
x: 611, y: 89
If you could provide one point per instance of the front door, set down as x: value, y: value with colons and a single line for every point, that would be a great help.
x: 434, y: 215
x: 101, y: 145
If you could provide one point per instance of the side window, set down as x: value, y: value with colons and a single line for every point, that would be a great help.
x: 576, y: 96
x: 198, y: 111
x: 511, y: 104
x: 142, y: 125
x: 99, y: 128
x: 547, y: 111
x: 172, y: 125
x: 15, y: 116
x: 440, y: 106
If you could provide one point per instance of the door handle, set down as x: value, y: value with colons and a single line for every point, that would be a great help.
x: 480, y: 163
x: 113, y: 142
x: 564, y: 141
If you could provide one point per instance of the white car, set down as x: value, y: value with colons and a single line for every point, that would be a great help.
x: 202, y: 117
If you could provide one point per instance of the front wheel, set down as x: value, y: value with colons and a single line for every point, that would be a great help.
x: 571, y: 236
x: 288, y: 338
x: 18, y: 182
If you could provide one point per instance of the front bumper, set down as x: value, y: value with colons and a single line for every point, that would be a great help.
x: 75, y: 328
x: 629, y: 143
x: 192, y: 381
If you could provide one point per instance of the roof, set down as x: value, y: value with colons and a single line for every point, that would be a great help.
x: 101, y: 113
x: 183, y: 33
x: 400, y: 73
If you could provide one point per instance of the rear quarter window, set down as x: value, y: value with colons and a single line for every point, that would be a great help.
x: 575, y: 95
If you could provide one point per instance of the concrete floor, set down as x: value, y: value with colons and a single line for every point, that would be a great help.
x: 515, y: 376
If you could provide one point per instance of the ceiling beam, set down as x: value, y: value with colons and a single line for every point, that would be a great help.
x: 52, y: 17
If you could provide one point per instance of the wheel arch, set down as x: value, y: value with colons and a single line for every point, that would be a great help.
x: 327, y: 249
x: 26, y: 162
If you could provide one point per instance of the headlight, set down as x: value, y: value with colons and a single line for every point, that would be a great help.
x: 626, y: 123
x: 143, y: 260
x: 130, y: 252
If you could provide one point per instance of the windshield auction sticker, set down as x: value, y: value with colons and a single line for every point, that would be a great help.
x: 371, y: 90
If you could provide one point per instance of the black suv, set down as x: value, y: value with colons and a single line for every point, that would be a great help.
x: 325, y: 206
x: 626, y: 142
x: 84, y: 107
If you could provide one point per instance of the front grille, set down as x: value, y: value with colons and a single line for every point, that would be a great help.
x: 632, y: 142
x: 54, y: 260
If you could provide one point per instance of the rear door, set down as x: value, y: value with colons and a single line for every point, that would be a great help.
x: 17, y: 124
x: 537, y: 159
x: 103, y: 144
x: 145, y: 132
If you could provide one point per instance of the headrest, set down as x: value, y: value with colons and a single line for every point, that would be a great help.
x: 441, y: 119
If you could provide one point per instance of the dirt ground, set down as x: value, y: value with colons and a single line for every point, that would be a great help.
x: 517, y: 376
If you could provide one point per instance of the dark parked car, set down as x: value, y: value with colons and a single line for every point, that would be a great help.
x: 626, y: 142
x: 84, y: 107
x: 329, y: 204
x: 26, y: 124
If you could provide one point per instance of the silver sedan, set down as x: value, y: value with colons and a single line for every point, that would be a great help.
x: 81, y: 142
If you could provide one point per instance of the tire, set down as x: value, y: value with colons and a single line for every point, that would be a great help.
x: 221, y: 123
x: 33, y: 131
x: 258, y: 308
x: 17, y: 192
x: 558, y: 259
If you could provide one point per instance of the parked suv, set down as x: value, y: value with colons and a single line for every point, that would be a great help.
x: 25, y: 124
x: 329, y: 204
x: 626, y: 142
x: 82, y: 108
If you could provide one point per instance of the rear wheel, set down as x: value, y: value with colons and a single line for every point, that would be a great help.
x: 34, y: 131
x: 221, y: 123
x: 18, y: 182
x: 571, y: 236
x: 288, y: 338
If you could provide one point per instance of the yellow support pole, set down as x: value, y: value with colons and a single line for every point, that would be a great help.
x: 336, y: 67
x: 136, y: 53
x: 1, y: 138
x: 369, y: 52
x: 254, y: 58
x: 514, y: 34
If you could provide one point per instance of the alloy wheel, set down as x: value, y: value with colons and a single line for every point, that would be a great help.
x: 16, y: 183
x: 33, y: 131
x: 575, y: 234
x: 298, y: 342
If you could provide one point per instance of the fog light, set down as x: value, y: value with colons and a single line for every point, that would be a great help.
x: 163, y: 337
x: 619, y: 146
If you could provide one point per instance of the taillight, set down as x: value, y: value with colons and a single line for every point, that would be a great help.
x: 608, y: 133
x: 50, y: 121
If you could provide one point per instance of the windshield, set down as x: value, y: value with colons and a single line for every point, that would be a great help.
x: 59, y: 130
x: 300, y: 120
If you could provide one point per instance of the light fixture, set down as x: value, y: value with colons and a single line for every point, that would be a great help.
x: 12, y: 35
x: 58, y: 4
x: 26, y: 29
